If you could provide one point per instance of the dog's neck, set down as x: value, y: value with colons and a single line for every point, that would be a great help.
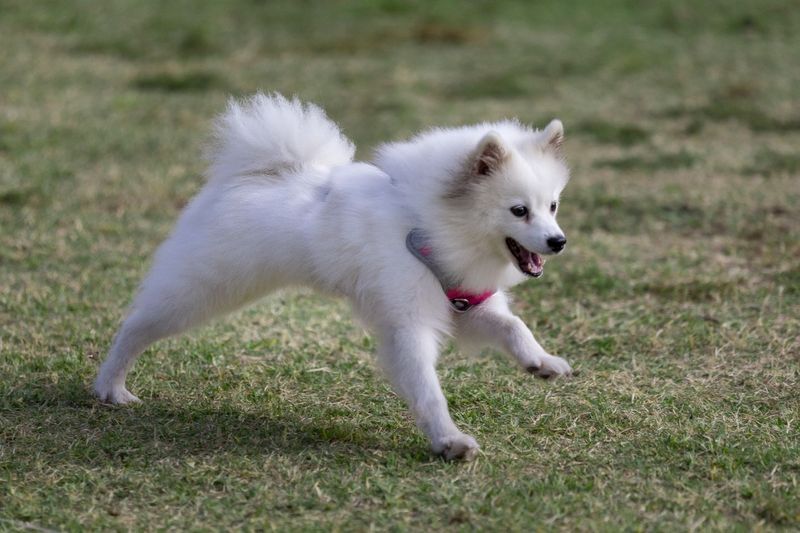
x: 461, y: 300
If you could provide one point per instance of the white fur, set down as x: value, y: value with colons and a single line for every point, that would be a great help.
x: 285, y: 205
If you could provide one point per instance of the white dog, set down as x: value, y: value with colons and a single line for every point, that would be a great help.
x: 423, y: 242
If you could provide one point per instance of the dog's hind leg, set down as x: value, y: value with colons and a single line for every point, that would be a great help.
x: 136, y: 334
x: 150, y: 320
x: 166, y: 306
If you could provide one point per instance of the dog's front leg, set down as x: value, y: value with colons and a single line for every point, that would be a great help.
x: 408, y: 355
x: 492, y: 323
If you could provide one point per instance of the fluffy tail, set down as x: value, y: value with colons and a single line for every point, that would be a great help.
x: 268, y: 133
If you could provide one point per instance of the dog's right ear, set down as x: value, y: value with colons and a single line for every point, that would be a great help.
x: 552, y: 137
x: 489, y: 155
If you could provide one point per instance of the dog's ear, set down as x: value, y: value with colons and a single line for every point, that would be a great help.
x: 552, y: 136
x: 489, y: 155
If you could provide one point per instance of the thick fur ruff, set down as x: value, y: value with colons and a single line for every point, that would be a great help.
x: 286, y: 205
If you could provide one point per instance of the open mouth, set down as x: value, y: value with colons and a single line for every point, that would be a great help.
x: 529, y: 263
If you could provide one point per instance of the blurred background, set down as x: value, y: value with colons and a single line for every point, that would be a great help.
x: 678, y: 298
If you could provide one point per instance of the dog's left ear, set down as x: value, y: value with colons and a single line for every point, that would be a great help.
x: 552, y: 136
x: 489, y: 155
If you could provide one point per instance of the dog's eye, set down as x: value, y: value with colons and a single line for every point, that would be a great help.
x: 553, y: 207
x: 519, y: 211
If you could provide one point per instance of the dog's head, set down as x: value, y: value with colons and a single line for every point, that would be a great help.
x: 507, y: 194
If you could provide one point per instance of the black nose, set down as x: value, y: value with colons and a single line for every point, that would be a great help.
x: 557, y: 243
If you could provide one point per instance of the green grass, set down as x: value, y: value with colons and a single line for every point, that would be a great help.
x: 678, y: 299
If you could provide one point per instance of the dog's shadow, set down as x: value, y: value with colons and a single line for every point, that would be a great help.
x: 64, y: 422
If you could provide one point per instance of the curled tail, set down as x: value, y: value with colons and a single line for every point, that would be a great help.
x: 268, y: 133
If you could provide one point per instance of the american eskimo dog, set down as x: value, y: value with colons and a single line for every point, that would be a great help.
x: 423, y: 241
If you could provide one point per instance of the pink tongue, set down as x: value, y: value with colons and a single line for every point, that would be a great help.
x: 534, y: 261
x: 532, y: 258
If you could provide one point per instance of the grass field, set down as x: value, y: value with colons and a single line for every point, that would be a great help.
x: 678, y: 299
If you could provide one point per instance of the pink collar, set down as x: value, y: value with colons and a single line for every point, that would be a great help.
x: 463, y: 301
x: 460, y: 300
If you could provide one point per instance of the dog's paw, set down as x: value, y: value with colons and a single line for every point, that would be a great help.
x: 117, y: 395
x: 550, y: 366
x: 456, y: 447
